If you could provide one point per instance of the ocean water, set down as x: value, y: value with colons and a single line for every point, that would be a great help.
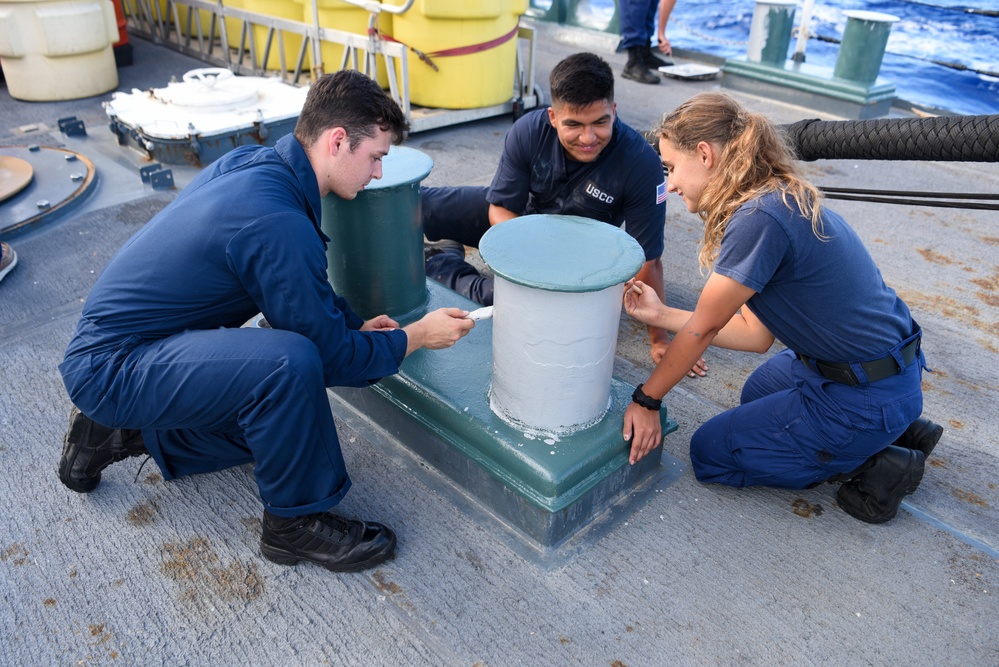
x: 928, y: 31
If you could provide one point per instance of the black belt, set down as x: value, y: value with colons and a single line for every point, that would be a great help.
x: 879, y: 369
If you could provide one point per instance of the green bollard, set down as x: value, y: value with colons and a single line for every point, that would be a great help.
x: 375, y: 254
x: 863, y: 46
x: 770, y: 31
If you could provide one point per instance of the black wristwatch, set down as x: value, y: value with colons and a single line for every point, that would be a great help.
x: 646, y: 402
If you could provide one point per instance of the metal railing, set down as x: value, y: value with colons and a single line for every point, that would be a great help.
x: 201, y: 29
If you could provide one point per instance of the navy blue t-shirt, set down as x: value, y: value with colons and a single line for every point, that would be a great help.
x: 623, y: 186
x: 822, y: 298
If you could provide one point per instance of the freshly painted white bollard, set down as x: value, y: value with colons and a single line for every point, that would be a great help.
x: 557, y: 306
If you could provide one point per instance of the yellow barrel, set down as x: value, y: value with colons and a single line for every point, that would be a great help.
x: 284, y: 9
x: 347, y: 17
x: 203, y: 17
x: 59, y: 50
x: 234, y: 26
x: 469, y: 81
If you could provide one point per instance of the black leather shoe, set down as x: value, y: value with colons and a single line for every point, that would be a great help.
x: 88, y: 448
x: 432, y: 248
x: 338, y: 544
x: 875, y: 495
x: 922, y: 434
x: 653, y: 59
x: 636, y: 69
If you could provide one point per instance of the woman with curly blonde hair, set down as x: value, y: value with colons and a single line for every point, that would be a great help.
x: 842, y: 403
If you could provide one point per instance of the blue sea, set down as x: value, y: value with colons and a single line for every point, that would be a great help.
x: 928, y: 31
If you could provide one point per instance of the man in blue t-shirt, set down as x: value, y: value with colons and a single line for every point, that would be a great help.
x: 573, y: 158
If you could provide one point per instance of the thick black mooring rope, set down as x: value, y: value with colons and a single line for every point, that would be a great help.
x: 947, y: 138
x: 942, y: 138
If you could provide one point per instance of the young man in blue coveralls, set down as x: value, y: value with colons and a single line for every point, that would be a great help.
x: 159, y: 362
x: 575, y: 157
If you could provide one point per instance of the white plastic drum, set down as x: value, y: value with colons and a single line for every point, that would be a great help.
x: 58, y: 50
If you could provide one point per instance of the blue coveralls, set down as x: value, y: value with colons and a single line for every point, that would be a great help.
x: 824, y: 299
x: 623, y: 186
x: 159, y: 345
x: 637, y: 23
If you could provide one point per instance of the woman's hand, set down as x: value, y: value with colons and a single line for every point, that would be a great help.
x: 642, y: 428
x: 642, y: 302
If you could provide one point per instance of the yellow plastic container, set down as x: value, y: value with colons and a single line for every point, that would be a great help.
x: 347, y: 17
x: 204, y: 18
x: 234, y: 26
x: 468, y: 81
x: 58, y: 50
x: 284, y: 9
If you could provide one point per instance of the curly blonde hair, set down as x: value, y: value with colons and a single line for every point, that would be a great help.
x: 754, y: 158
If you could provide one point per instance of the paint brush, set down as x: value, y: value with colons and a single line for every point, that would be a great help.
x: 481, y: 314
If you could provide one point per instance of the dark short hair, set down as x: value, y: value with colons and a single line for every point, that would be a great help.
x: 353, y: 101
x: 580, y: 80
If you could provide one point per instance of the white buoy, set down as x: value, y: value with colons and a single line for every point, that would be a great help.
x: 557, y: 305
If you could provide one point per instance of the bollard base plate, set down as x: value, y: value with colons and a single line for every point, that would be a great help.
x: 810, y: 86
x: 546, y: 486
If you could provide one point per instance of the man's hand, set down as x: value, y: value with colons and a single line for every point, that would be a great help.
x: 437, y: 330
x: 642, y: 428
x: 380, y: 323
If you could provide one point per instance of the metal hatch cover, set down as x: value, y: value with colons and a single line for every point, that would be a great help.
x: 209, y: 112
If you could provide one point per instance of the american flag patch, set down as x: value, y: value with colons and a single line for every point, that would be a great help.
x: 661, y: 193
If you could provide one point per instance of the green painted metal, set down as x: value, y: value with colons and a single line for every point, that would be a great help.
x: 780, y: 21
x: 552, y: 10
x: 561, y: 253
x: 863, y: 46
x: 375, y: 255
x: 800, y: 83
x: 447, y: 392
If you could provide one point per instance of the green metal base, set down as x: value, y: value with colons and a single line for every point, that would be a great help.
x: 546, y: 486
x: 801, y: 83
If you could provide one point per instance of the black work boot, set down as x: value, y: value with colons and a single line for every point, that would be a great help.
x: 88, y: 448
x: 653, y: 59
x: 636, y: 69
x: 432, y: 248
x: 922, y: 434
x: 338, y: 544
x: 875, y: 495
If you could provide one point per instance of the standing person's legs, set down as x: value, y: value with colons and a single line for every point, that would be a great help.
x: 637, y: 28
x: 634, y: 16
x: 649, y: 27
